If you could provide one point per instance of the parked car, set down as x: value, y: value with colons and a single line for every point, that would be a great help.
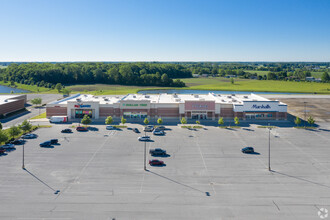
x: 156, y: 162
x: 67, y: 130
x: 17, y: 142
x: 29, y: 136
x: 158, y: 132
x: 160, y: 128
x: 149, y: 128
x: 54, y: 141
x: 136, y: 130
x: 109, y: 127
x: 248, y: 150
x: 45, y: 144
x: 8, y: 146
x: 144, y: 138
x: 157, y: 152
x: 81, y: 128
x: 2, y: 150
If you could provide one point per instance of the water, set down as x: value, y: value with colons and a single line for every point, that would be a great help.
x: 6, y: 89
x: 190, y: 91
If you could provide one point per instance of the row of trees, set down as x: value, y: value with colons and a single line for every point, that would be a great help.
x: 49, y: 74
x: 13, y: 131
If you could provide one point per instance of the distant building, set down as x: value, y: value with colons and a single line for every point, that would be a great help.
x: 310, y: 79
x: 195, y: 75
x: 11, y: 103
x: 231, y: 76
x: 205, y: 75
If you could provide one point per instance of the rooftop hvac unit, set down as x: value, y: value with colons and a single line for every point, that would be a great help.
x: 134, y: 96
x: 147, y: 96
x: 229, y: 96
x: 232, y: 94
x: 78, y: 100
x: 106, y: 99
x: 177, y: 100
x: 234, y: 100
x: 219, y: 95
x: 196, y: 96
x: 246, y: 97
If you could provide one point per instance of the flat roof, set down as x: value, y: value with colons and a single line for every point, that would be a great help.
x: 8, y: 98
x: 166, y: 98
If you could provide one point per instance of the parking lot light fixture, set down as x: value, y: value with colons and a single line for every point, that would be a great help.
x: 269, y: 128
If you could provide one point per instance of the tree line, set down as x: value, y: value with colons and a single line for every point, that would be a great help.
x: 49, y: 74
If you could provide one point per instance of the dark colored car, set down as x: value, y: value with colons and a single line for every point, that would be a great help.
x: 136, y: 130
x: 2, y: 150
x: 156, y: 162
x: 160, y: 128
x: 248, y: 150
x: 45, y: 144
x: 29, y: 136
x: 17, y: 142
x: 81, y: 128
x: 157, y: 152
x: 67, y: 130
x: 53, y: 141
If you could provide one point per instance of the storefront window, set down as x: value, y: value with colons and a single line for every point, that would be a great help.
x: 79, y: 113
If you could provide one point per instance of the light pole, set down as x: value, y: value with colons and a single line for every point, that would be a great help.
x: 269, y: 128
x: 23, y: 166
x: 145, y: 152
x: 305, y: 115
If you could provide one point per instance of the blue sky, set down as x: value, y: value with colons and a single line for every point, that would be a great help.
x: 165, y: 30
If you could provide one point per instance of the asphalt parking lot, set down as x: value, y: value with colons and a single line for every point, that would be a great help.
x: 100, y: 175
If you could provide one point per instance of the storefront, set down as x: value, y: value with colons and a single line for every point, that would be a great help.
x: 135, y: 109
x: 131, y: 114
x: 199, y: 110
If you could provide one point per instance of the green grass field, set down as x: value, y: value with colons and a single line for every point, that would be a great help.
x: 259, y: 72
x: 257, y: 85
x: 42, y: 115
x: 212, y: 83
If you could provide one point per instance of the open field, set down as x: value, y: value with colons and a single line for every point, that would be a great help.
x: 257, y: 85
x: 211, y: 83
x: 100, y: 175
x: 259, y: 72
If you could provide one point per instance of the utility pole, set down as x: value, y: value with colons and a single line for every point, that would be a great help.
x: 269, y: 147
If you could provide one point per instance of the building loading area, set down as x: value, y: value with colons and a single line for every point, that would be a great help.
x: 11, y: 103
x: 192, y: 106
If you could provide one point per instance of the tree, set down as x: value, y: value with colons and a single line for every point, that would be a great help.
x: 86, y: 120
x: 36, y: 101
x: 160, y: 121
x: 311, y: 120
x: 198, y: 122
x: 325, y: 77
x: 13, y: 131
x: 123, y: 120
x: 58, y: 87
x: 25, y: 126
x: 3, y: 136
x: 297, y: 121
x: 221, y: 122
x: 146, y: 121
x: 236, y: 119
x: 0, y: 126
x: 183, y: 120
x: 232, y: 80
x: 66, y: 91
x: 108, y: 120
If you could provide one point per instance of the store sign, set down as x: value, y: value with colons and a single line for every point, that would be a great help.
x: 82, y: 106
x: 261, y: 106
x: 134, y: 105
x: 195, y: 106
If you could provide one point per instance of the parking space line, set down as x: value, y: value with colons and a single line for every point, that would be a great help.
x: 200, y: 152
x: 84, y: 168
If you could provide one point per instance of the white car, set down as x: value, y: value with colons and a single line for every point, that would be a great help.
x: 109, y: 127
x: 8, y: 146
x: 156, y: 132
x: 144, y: 138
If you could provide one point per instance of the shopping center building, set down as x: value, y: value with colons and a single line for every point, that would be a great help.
x: 192, y: 106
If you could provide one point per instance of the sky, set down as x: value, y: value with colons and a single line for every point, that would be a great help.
x: 165, y: 30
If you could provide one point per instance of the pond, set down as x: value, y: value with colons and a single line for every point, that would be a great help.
x: 190, y: 91
x: 6, y: 89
